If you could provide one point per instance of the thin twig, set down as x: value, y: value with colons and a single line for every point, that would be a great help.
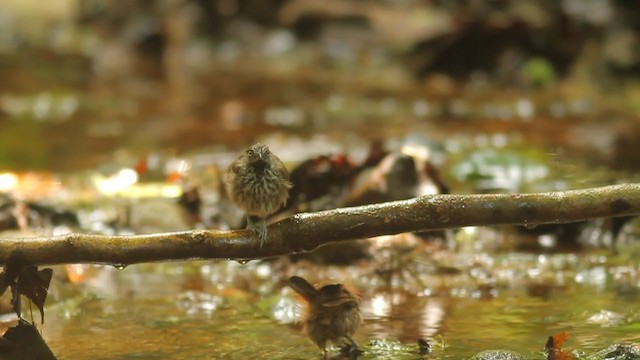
x: 306, y: 231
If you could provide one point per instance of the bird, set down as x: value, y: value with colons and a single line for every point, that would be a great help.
x: 258, y: 183
x: 333, y: 313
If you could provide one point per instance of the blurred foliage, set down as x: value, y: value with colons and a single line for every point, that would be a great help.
x: 538, y: 71
x: 23, y: 145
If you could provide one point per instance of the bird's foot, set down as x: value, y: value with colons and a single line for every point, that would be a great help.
x: 258, y: 225
x: 351, y: 350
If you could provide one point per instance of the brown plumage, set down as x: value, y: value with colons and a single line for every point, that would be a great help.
x: 258, y: 183
x: 333, y: 313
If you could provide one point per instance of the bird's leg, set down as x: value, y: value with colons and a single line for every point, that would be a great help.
x: 354, y: 351
x: 351, y: 341
x: 259, y: 225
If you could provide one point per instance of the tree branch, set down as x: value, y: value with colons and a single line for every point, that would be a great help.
x: 306, y: 231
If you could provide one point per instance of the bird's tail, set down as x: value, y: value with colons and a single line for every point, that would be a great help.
x: 305, y: 289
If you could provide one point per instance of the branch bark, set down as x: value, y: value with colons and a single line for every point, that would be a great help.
x: 306, y: 231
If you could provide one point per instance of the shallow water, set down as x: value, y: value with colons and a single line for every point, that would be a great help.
x: 153, y: 314
x: 228, y: 311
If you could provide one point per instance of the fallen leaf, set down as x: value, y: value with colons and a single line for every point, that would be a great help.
x: 554, y: 344
x: 34, y: 284
x: 27, y: 280
x: 22, y: 342
x: 560, y: 338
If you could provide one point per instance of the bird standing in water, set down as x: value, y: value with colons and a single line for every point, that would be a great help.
x: 333, y: 313
x: 258, y: 183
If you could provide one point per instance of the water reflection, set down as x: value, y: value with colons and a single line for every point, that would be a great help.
x: 155, y: 322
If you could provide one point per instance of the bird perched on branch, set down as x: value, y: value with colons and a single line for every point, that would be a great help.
x: 258, y: 183
x: 333, y: 313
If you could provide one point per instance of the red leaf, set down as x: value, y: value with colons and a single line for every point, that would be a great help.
x: 560, y: 338
x: 554, y: 344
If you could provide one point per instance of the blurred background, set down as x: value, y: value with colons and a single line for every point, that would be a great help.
x: 84, y: 82
x: 115, y: 112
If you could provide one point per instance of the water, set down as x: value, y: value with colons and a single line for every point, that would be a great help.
x: 225, y: 310
x: 141, y: 320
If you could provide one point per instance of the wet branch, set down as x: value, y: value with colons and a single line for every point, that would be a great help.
x: 307, y: 231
